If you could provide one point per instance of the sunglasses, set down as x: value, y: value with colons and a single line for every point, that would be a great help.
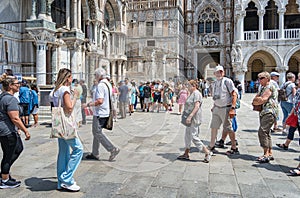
x: 262, y: 78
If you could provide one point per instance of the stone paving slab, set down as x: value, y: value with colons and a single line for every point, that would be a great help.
x: 147, y: 164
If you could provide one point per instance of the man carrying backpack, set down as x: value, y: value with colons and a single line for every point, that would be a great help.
x: 147, y: 96
x: 286, y: 95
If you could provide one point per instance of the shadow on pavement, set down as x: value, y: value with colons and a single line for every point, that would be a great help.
x: 41, y: 184
x: 275, y: 167
x: 250, y: 130
x: 169, y: 156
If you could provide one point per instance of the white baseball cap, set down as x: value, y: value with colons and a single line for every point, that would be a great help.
x: 219, y: 68
x: 274, y: 74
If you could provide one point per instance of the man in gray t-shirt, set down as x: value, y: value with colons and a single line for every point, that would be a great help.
x: 123, y: 98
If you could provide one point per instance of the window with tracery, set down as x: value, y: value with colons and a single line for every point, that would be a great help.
x: 208, y: 21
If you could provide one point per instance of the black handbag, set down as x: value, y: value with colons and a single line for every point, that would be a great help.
x: 110, y: 123
x: 184, y: 116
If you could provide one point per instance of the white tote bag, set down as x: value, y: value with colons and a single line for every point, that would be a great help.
x: 63, y: 125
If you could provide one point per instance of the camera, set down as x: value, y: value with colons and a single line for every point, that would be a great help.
x: 215, y: 97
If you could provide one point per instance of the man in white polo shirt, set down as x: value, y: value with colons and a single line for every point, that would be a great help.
x: 224, y: 96
x: 101, y: 113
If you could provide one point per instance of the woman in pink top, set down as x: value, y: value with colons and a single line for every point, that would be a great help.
x: 182, y: 96
x: 115, y: 94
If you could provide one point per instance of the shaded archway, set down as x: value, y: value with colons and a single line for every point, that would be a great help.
x: 294, y: 63
x: 258, y: 62
x: 206, y: 63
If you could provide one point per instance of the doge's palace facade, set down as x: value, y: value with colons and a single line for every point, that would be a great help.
x: 267, y: 34
x: 40, y: 37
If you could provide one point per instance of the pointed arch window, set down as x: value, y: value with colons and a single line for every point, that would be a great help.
x: 208, y: 21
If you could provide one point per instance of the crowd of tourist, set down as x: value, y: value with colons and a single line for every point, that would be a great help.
x: 126, y: 96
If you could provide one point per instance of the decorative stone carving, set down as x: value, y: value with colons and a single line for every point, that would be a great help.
x: 208, y: 40
x: 93, y: 9
x: 150, y: 15
x: 236, y: 53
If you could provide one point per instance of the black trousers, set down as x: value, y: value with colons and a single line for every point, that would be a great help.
x: 12, y: 147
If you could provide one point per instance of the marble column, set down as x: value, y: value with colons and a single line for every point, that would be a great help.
x: 41, y: 62
x: 282, y: 72
x: 281, y: 23
x: 164, y: 67
x: 33, y: 9
x: 119, y: 65
x: 79, y: 14
x: 240, y: 75
x: 74, y: 14
x: 261, y: 14
x: 240, y: 26
x: 43, y: 10
x: 113, y: 72
x: 92, y: 62
x: 68, y: 14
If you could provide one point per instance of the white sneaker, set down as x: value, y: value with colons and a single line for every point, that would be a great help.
x: 73, y: 188
x: 208, y: 156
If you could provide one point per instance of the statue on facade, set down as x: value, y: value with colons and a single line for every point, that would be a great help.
x: 239, y: 53
x: 233, y: 54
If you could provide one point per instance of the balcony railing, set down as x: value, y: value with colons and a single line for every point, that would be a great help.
x: 292, y: 33
x: 272, y: 34
x: 138, y: 5
x: 251, y: 35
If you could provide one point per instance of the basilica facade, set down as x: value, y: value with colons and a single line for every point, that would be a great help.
x: 38, y: 37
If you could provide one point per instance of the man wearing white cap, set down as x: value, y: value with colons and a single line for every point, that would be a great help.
x: 224, y: 95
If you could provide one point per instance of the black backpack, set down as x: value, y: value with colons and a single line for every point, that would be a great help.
x: 147, y: 92
x: 282, y: 96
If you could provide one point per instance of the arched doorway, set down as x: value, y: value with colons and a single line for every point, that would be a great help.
x: 258, y: 62
x: 294, y: 63
x: 206, y: 63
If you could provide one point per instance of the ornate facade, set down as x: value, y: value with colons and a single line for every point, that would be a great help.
x: 155, y: 43
x: 209, y: 32
x: 267, y: 34
x: 166, y: 38
x: 40, y: 37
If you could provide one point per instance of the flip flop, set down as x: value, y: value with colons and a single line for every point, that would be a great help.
x: 183, y: 157
x: 295, y: 172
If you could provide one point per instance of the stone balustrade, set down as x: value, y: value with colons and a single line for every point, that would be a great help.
x: 272, y: 34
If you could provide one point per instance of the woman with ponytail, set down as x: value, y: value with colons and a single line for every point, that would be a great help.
x: 67, y: 162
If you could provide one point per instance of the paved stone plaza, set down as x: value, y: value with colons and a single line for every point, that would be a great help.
x: 147, y: 165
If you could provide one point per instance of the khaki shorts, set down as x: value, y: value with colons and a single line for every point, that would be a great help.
x: 147, y: 100
x: 221, y: 116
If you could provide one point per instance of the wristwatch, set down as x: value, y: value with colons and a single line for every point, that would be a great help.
x: 232, y: 107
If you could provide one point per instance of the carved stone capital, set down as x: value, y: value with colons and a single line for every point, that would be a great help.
x: 41, y: 35
x: 261, y: 12
x: 282, y: 69
x: 238, y: 68
x: 281, y: 11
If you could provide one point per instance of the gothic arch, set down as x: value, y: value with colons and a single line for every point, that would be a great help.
x: 269, y: 50
x: 112, y: 11
x: 213, y: 4
x: 289, y: 54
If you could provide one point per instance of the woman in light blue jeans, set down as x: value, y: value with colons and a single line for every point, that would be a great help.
x: 67, y: 162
